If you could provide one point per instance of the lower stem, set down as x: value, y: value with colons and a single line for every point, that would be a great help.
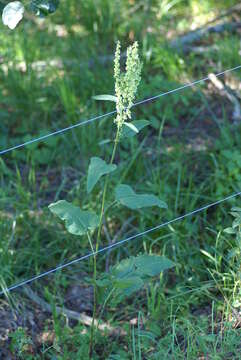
x: 92, y: 334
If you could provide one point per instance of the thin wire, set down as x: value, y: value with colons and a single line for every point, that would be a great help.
x: 2, y: 152
x: 56, y: 132
x: 118, y: 243
x: 186, y: 86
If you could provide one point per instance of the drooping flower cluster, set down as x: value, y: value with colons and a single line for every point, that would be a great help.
x: 126, y: 83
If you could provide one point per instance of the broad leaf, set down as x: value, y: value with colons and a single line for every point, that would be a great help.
x: 127, y: 197
x: 124, y: 268
x: 43, y: 8
x: 142, y: 265
x: 138, y: 124
x: 105, y: 97
x: 97, y: 168
x: 131, y: 274
x: 77, y: 222
x: 128, y: 285
x: 152, y: 265
x: 12, y: 14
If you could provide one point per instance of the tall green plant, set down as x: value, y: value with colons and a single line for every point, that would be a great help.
x: 129, y: 275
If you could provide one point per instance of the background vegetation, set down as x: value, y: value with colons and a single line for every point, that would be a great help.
x: 189, y: 156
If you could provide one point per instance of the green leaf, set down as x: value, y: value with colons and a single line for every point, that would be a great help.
x: 138, y: 125
x: 4, y: 169
x: 237, y: 221
x: 127, y: 197
x: 124, y: 268
x: 229, y: 230
x: 103, y: 283
x: 43, y: 8
x: 128, y: 285
x: 236, y: 303
x: 142, y: 265
x: 77, y: 222
x: 12, y: 14
x: 152, y: 265
x: 237, y: 209
x: 235, y: 214
x: 104, y: 142
x: 105, y: 97
x: 232, y: 253
x: 132, y: 127
x: 130, y: 274
x: 97, y: 168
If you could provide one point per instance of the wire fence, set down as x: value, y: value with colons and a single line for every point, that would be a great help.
x: 126, y: 240
x: 153, y: 98
x: 116, y: 244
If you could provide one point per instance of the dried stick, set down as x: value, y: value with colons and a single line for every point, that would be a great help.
x: 229, y: 93
x: 74, y: 315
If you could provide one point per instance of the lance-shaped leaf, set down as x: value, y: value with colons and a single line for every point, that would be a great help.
x: 97, y: 168
x: 127, y: 197
x: 77, y: 222
x: 229, y: 230
x: 132, y: 127
x: 12, y: 14
x: 105, y: 98
x: 129, y: 131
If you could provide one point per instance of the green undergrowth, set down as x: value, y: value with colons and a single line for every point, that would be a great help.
x: 188, y: 156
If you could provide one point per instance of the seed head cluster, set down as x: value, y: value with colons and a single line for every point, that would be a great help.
x: 126, y: 83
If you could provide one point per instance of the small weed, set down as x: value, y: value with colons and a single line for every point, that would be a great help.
x: 20, y: 343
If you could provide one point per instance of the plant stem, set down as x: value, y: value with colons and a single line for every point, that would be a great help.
x: 92, y: 337
x: 104, y: 305
x: 90, y: 242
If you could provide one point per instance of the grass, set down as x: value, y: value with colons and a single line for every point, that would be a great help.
x: 189, y: 157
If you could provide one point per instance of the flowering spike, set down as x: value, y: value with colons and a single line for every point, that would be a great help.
x: 126, y: 83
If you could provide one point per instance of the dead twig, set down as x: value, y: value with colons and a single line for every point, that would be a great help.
x: 84, y: 319
x: 229, y: 94
x: 184, y: 42
x: 225, y: 13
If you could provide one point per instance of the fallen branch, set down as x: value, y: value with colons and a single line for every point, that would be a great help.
x: 184, y: 42
x: 74, y: 315
x: 233, y: 9
x: 229, y: 94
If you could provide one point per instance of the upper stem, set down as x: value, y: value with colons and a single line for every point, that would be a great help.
x: 98, y: 241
